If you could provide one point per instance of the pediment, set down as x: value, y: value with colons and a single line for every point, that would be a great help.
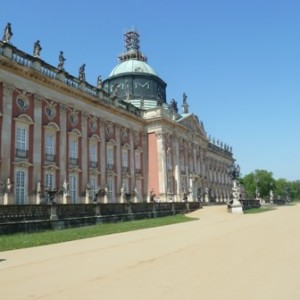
x: 192, y: 123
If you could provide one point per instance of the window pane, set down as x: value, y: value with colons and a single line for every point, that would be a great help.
x: 21, y: 138
x: 20, y: 187
x: 110, y: 156
x: 93, y: 153
x: 125, y: 158
x: 49, y: 144
x: 73, y: 149
x: 73, y: 188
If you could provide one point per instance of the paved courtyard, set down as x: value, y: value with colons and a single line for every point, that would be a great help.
x: 220, y: 256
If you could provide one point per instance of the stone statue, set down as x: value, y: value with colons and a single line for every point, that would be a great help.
x: 81, y: 75
x: 37, y: 49
x: 99, y: 82
x: 142, y: 103
x: 39, y: 188
x: 271, y: 196
x: 184, y: 97
x: 123, y: 190
x: 38, y: 192
x: 173, y: 106
x: 8, y: 185
x: 116, y: 88
x: 65, y: 187
x: 61, y: 60
x: 7, y: 33
x: 152, y: 196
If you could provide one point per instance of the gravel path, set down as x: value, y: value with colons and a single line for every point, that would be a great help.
x: 220, y: 256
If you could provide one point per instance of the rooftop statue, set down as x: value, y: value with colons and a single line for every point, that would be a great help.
x: 99, y: 82
x: 184, y: 97
x: 61, y: 60
x: 37, y: 49
x: 81, y: 75
x: 7, y: 33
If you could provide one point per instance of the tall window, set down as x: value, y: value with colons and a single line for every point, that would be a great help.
x: 21, y: 141
x: 111, y: 188
x: 169, y: 161
x: 20, y: 186
x: 110, y: 157
x: 73, y: 185
x: 125, y: 160
x: 49, y: 180
x: 93, y: 155
x: 182, y: 166
x: 126, y: 184
x: 138, y: 184
x: 93, y: 186
x: 49, y: 147
x: 73, y: 151
x: 73, y: 148
x: 137, y: 160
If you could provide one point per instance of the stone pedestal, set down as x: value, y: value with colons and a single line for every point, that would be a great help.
x: 236, y: 208
x: 53, y: 215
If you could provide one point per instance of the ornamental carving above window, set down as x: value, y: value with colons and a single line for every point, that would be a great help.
x: 73, y: 118
x: 93, y: 124
x: 23, y: 103
x: 50, y: 112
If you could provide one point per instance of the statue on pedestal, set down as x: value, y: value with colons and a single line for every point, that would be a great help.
x: 38, y: 192
x: 99, y: 82
x: 7, y: 191
x: 235, y: 206
x: 81, y: 75
x: 37, y: 49
x: 65, y: 192
x: 61, y: 60
x: 7, y: 33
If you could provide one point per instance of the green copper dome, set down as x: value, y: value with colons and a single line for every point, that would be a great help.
x: 132, y: 66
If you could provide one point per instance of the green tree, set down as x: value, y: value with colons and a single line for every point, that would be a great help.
x: 260, y: 180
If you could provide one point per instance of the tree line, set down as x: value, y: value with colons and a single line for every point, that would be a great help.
x: 263, y: 182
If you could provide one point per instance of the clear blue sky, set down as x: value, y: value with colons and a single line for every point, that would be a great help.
x: 237, y: 60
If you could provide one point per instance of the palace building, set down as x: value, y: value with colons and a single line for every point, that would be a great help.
x: 120, y: 137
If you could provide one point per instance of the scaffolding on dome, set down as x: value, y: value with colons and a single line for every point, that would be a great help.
x: 132, y: 47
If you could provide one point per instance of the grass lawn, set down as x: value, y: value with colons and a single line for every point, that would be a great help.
x: 24, y: 240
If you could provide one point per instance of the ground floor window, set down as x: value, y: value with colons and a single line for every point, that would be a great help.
x: 20, y: 184
x: 110, y: 189
x: 73, y: 186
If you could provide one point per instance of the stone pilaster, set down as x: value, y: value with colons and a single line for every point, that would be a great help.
x: 63, y: 144
x: 118, y: 159
x: 162, y: 174
x: 37, y: 141
x: 6, y: 132
x: 103, y: 154
x: 176, y: 160
x: 132, y: 155
x: 84, y: 153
